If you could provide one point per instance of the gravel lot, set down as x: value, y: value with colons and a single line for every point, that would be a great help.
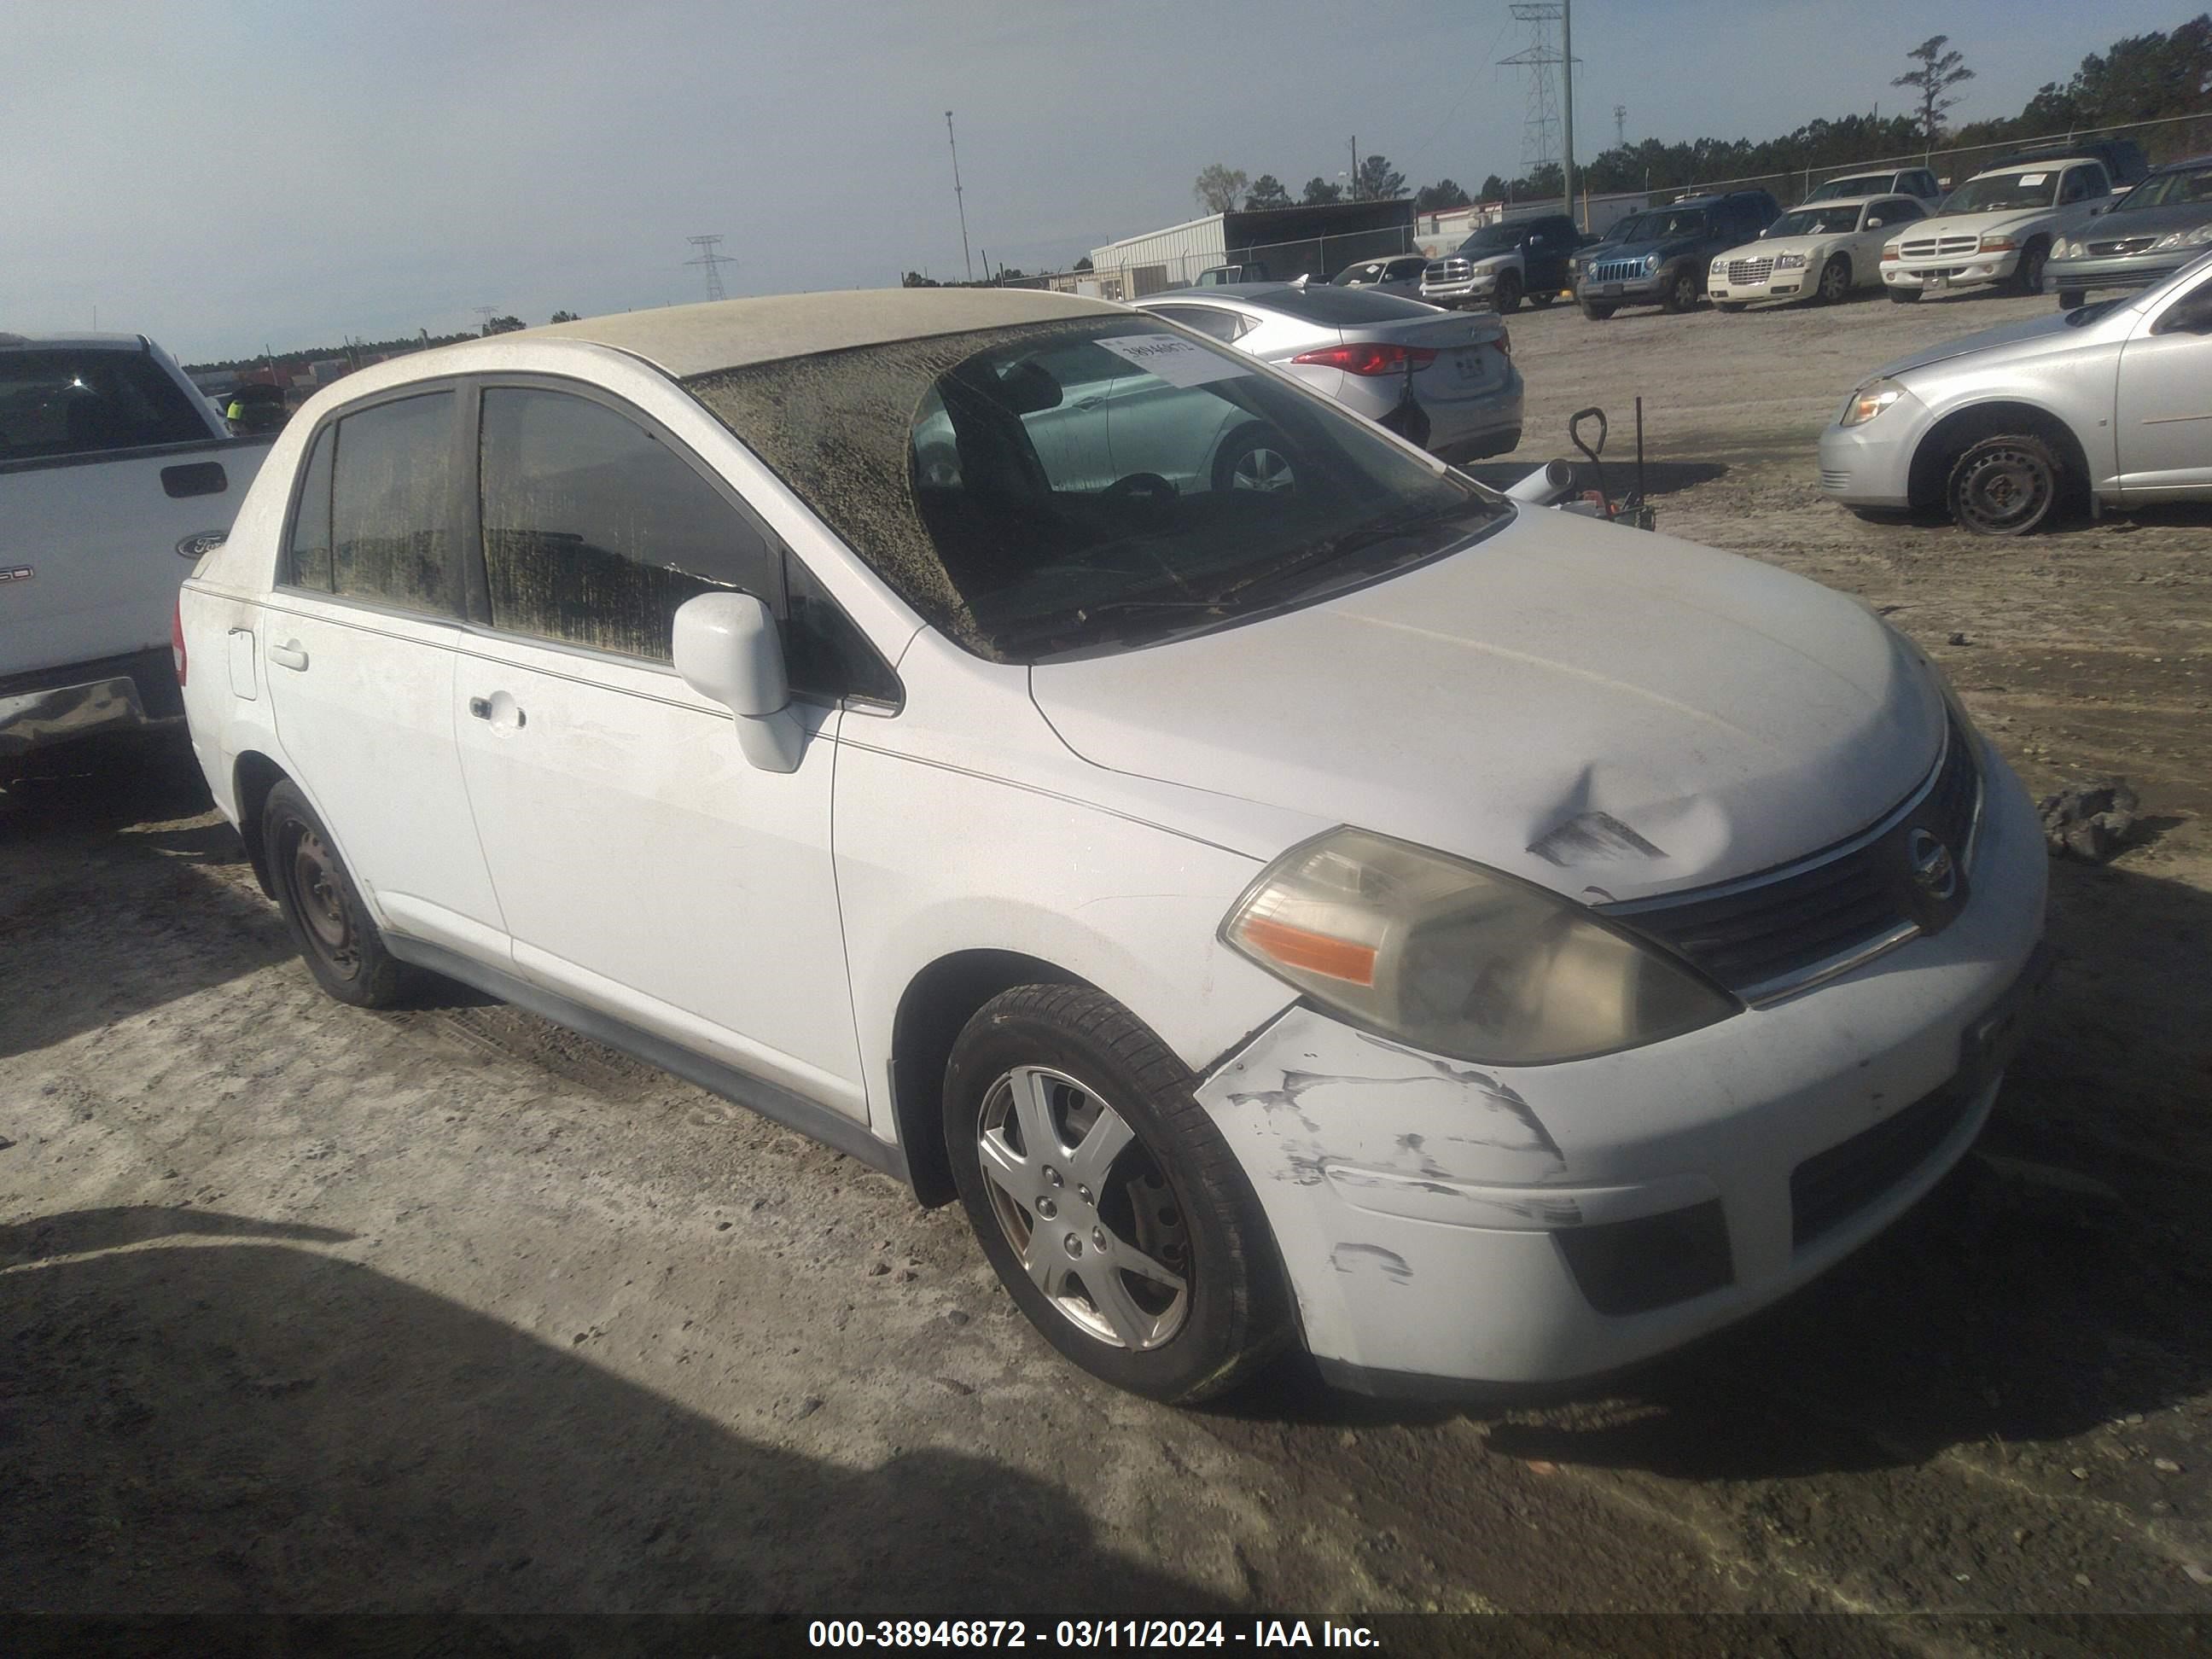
x: 312, y: 1309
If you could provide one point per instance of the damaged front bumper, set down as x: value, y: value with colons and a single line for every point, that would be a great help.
x: 1445, y: 1224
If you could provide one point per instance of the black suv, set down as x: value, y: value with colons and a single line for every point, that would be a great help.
x: 1658, y: 256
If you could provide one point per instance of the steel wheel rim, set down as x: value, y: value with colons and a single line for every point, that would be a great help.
x: 1086, y: 1209
x: 1262, y: 468
x: 2007, y: 488
x: 320, y: 900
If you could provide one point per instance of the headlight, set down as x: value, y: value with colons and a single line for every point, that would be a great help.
x: 2197, y: 238
x: 1869, y: 400
x: 1789, y: 261
x: 1720, y: 266
x: 2069, y: 250
x: 1457, y: 959
x: 1999, y: 245
x: 1650, y: 262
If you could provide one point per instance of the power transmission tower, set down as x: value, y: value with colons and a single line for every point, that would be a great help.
x: 484, y: 314
x: 713, y: 260
x: 1540, y: 134
x: 1620, y: 125
x: 958, y: 200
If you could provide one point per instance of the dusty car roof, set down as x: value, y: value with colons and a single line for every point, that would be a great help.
x: 687, y: 340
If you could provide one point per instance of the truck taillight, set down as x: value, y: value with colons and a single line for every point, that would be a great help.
x: 1369, y: 358
x: 177, y: 636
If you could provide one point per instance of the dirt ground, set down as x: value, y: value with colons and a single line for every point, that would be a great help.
x: 310, y: 1309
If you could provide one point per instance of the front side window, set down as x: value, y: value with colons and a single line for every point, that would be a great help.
x: 594, y: 531
x: 77, y: 402
x: 1200, y: 490
x: 2083, y: 184
x: 392, y: 537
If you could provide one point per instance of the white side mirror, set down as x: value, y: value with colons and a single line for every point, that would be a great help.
x: 728, y: 650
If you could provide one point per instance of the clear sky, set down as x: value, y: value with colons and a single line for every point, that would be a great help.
x: 229, y: 172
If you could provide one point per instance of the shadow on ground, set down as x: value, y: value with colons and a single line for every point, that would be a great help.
x: 221, y: 1419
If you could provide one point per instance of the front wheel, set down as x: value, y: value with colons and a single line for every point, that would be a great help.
x: 1835, y: 281
x: 1255, y: 458
x: 1729, y: 307
x: 1598, y: 310
x: 1904, y: 296
x: 1541, y: 298
x: 2029, y: 276
x: 2004, y: 486
x: 1105, y: 1199
x: 1682, y: 291
x: 322, y: 907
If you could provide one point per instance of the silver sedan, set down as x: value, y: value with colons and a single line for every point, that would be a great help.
x: 1443, y: 379
x: 2004, y: 429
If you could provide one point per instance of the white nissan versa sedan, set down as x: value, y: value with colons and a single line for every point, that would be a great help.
x: 1477, y: 942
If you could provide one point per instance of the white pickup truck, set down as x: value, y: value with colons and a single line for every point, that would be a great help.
x: 112, y: 465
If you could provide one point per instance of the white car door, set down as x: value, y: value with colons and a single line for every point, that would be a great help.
x: 2164, y: 405
x: 359, y: 635
x: 1881, y: 221
x: 644, y: 867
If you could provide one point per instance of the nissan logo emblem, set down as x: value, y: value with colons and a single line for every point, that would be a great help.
x: 1933, y: 870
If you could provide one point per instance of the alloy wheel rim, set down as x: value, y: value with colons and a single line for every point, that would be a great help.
x: 1832, y: 282
x: 1087, y: 1210
x: 2007, y: 488
x: 1262, y: 468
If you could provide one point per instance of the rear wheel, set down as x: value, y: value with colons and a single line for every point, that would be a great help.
x: 1835, y: 281
x: 1598, y: 310
x: 1105, y: 1199
x: 1541, y: 298
x: 1255, y: 458
x: 322, y: 907
x: 2005, y: 485
x: 1905, y: 296
x: 1681, y: 292
x: 1507, y: 295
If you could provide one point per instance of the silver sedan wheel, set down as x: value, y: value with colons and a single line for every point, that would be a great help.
x: 1261, y: 468
x: 1085, y: 1207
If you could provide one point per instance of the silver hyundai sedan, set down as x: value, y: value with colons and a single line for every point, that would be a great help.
x: 2004, y: 429
x: 1443, y: 380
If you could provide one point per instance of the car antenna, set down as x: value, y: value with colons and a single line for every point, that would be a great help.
x: 1300, y: 281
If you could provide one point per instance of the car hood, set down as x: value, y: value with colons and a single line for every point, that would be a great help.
x: 1771, y: 247
x: 1666, y: 249
x: 1607, y: 713
x: 2145, y: 221
x: 2033, y: 335
x: 1968, y: 224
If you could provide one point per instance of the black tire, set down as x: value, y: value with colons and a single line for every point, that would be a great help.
x: 1176, y: 1173
x: 1904, y: 296
x: 2028, y: 277
x: 1254, y: 458
x: 1683, y: 292
x: 1835, y: 285
x: 1598, y: 310
x: 1506, y: 297
x: 2005, y: 485
x: 1730, y: 307
x: 331, y: 927
x: 2071, y: 299
x: 1541, y: 298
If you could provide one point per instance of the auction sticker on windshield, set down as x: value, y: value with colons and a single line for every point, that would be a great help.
x: 1179, y: 362
x: 2030, y: 181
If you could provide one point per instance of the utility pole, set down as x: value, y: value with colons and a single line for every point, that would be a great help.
x: 1567, y: 102
x: 714, y: 260
x: 1620, y: 125
x: 1355, y: 166
x: 960, y: 201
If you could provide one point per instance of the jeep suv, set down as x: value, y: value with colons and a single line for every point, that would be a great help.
x: 1658, y: 256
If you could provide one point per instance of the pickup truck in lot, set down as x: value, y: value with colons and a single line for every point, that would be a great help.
x: 112, y: 465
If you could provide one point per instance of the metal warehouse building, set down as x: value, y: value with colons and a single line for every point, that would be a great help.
x: 1285, y: 242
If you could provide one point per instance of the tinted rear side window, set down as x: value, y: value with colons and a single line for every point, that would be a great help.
x: 81, y: 402
x: 594, y: 531
x: 1343, y: 307
x: 309, y: 555
x: 392, y: 504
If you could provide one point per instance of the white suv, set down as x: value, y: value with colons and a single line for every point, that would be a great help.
x: 1997, y: 228
x: 1476, y: 943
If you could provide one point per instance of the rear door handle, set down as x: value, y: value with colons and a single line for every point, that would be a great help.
x: 291, y: 654
x: 482, y: 709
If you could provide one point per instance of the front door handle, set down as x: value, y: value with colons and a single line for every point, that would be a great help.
x: 290, y: 654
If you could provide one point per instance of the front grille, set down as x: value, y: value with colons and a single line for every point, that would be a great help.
x: 1750, y: 270
x: 1829, y: 1188
x: 1943, y: 247
x: 1446, y: 270
x: 2130, y: 245
x: 1616, y: 270
x: 1766, y: 936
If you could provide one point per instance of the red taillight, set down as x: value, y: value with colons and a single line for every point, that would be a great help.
x: 177, y: 636
x: 1504, y: 342
x: 1369, y: 358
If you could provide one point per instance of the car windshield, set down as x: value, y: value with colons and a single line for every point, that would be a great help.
x: 1815, y: 222
x: 1491, y: 239
x: 2006, y: 192
x: 1064, y: 488
x: 2183, y: 187
x: 1869, y: 184
x: 1660, y: 226
x: 1351, y: 275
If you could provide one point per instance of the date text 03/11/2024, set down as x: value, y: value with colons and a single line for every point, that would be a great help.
x: 1086, y: 1633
